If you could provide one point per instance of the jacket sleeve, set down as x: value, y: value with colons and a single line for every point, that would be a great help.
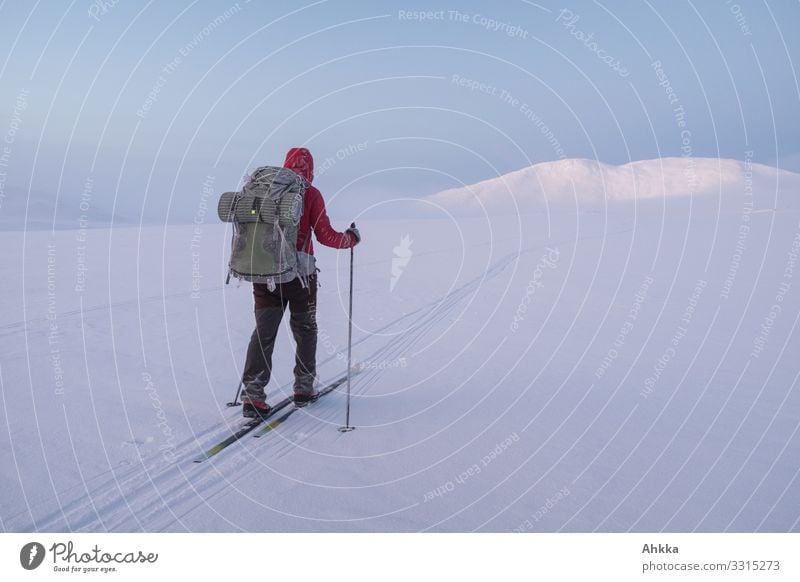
x: 321, y: 225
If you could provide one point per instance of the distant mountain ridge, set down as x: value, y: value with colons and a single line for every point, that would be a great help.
x: 583, y: 183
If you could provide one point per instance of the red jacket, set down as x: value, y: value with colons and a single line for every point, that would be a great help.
x: 315, y: 218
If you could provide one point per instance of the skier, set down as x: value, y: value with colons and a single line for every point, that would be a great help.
x: 300, y: 294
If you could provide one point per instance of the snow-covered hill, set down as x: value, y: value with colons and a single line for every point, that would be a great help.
x: 634, y: 369
x: 586, y: 184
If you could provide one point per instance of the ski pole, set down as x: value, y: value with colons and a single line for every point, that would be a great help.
x: 347, y: 427
x: 235, y: 398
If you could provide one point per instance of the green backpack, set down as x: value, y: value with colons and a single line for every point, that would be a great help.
x: 265, y: 216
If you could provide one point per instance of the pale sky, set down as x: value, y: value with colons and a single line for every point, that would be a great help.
x: 146, y: 100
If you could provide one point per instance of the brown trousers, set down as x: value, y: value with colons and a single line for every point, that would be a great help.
x: 269, y: 309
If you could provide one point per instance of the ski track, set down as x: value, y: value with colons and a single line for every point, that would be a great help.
x: 278, y: 446
x: 102, y: 307
x: 154, y: 494
x: 103, y: 494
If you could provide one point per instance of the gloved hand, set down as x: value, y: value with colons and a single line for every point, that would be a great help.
x: 353, y: 231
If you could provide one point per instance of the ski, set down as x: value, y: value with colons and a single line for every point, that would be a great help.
x: 245, y: 429
x: 272, y: 425
x: 254, y: 423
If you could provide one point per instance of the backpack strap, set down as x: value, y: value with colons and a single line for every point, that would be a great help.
x: 277, y: 231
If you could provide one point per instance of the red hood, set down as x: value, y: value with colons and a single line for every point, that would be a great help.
x: 300, y: 161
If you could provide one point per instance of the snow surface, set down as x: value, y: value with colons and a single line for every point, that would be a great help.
x: 622, y: 368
